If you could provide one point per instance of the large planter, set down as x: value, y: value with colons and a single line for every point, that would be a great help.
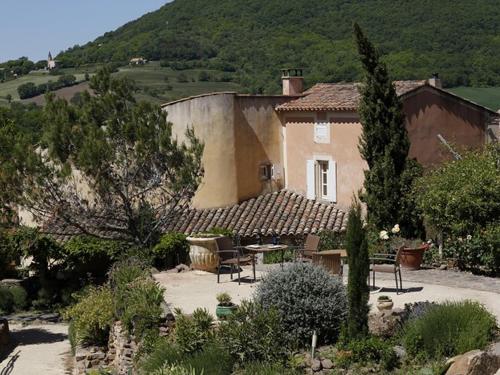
x: 203, y: 253
x: 411, y: 258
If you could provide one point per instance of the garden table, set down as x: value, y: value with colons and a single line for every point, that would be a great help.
x: 255, y: 249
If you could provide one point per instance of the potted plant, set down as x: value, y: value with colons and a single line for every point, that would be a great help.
x: 225, y: 307
x: 384, y: 303
x: 411, y: 251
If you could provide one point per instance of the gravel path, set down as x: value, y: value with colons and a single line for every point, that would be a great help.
x: 450, y: 278
x: 38, y: 349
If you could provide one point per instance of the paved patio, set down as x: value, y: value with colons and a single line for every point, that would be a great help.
x: 193, y: 289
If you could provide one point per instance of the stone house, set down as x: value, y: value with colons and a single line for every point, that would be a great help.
x: 307, y: 141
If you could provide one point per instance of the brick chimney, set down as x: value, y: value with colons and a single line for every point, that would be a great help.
x: 293, y: 82
x: 435, y: 81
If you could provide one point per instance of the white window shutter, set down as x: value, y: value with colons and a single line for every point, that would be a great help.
x: 310, y: 179
x: 332, y: 181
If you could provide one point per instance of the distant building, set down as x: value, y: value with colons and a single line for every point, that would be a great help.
x: 51, y: 63
x: 138, y: 61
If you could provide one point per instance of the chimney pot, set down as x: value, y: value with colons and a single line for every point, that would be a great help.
x: 435, y: 81
x: 292, y: 81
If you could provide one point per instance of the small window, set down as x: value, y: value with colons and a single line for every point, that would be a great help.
x: 322, y: 179
x: 265, y: 172
x: 322, y: 132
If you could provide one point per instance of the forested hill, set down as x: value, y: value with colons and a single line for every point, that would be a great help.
x: 460, y: 39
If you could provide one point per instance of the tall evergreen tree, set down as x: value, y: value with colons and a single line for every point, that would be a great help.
x: 359, y: 270
x: 384, y: 143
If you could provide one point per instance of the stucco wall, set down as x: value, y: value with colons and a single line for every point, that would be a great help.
x: 345, y: 130
x: 239, y: 132
x: 258, y: 140
x: 212, y: 117
x: 430, y: 113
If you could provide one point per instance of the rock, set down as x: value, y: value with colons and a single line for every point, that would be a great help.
x: 474, y: 362
x: 182, y: 268
x: 327, y: 364
x: 385, y: 323
x: 397, y: 311
x: 400, y: 351
x: 443, y: 267
x: 316, y: 365
x: 53, y: 317
x: 494, y: 349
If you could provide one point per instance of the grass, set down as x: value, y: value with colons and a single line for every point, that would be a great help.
x: 485, y: 96
x: 152, y: 80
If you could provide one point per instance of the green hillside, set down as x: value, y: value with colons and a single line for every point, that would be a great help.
x: 460, y: 39
x: 487, y: 96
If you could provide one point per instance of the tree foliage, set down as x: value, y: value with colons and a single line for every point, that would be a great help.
x: 458, y: 39
x: 359, y: 270
x: 108, y: 167
x: 384, y: 143
x: 462, y: 196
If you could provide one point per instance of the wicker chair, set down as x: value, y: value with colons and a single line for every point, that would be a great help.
x: 311, y: 246
x: 229, y: 256
x: 388, y: 263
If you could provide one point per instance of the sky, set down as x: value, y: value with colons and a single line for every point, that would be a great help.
x: 32, y: 28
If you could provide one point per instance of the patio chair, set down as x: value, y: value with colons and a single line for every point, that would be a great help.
x: 229, y: 256
x: 388, y: 263
x: 311, y: 245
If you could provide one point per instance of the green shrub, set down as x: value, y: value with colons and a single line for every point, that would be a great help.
x: 193, y: 332
x: 176, y: 370
x: 164, y: 352
x: 308, y: 298
x: 479, y: 251
x: 139, y: 305
x: 125, y: 271
x: 19, y: 297
x: 92, y: 316
x: 6, y: 300
x: 263, y: 368
x: 90, y: 255
x: 462, y: 196
x: 369, y: 350
x: 171, y: 250
x: 330, y: 240
x: 449, y: 329
x: 254, y: 333
x: 212, y: 360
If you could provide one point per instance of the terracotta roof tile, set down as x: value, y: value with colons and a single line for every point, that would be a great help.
x: 338, y: 96
x: 283, y: 212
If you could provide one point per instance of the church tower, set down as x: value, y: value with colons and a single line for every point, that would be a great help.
x: 51, y: 63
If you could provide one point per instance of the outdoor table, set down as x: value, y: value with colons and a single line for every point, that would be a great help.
x: 330, y: 259
x: 255, y: 249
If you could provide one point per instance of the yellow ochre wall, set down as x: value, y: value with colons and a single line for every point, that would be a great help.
x: 240, y: 132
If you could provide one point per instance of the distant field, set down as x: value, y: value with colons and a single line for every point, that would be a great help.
x: 10, y: 87
x: 155, y: 83
x: 486, y: 96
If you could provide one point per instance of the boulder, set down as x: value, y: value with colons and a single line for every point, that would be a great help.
x: 316, y: 365
x: 327, y: 364
x: 400, y: 352
x: 385, y: 323
x: 474, y: 362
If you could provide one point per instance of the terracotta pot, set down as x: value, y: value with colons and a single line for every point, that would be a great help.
x: 411, y: 258
x: 203, y: 253
x: 222, y: 312
x: 385, y: 304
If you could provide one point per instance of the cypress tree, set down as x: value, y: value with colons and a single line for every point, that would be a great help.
x: 359, y: 270
x: 384, y: 143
